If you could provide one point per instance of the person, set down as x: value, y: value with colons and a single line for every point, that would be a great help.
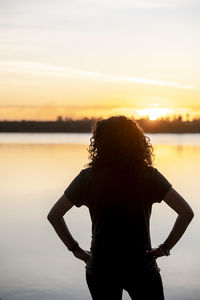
x: 119, y: 186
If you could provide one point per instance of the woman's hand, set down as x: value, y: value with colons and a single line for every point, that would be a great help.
x: 82, y: 254
x: 155, y: 252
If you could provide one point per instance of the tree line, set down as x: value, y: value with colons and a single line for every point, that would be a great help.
x: 162, y: 125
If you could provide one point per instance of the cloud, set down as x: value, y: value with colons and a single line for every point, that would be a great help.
x: 117, y: 4
x: 41, y: 69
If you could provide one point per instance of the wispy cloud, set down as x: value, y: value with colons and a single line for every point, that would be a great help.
x: 141, y: 3
x: 41, y: 69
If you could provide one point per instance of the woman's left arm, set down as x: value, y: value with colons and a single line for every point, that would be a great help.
x: 55, y: 217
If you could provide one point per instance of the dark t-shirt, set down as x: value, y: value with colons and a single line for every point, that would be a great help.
x: 120, y: 209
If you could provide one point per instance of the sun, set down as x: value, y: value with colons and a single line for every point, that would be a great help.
x: 153, y: 113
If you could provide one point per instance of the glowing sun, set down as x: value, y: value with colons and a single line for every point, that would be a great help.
x: 153, y: 113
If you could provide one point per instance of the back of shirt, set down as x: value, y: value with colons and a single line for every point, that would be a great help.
x: 120, y: 209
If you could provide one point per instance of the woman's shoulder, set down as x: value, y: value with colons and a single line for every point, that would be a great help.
x: 86, y: 172
x: 154, y: 172
x: 150, y: 173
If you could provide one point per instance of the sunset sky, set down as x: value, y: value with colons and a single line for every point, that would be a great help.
x: 80, y: 58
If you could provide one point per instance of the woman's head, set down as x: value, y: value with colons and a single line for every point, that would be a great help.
x: 120, y: 143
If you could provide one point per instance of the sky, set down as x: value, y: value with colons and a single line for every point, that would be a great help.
x: 79, y: 58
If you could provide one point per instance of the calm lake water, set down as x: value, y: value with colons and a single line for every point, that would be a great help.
x: 36, y: 169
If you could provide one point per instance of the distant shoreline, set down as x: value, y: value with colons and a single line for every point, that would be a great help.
x: 85, y: 126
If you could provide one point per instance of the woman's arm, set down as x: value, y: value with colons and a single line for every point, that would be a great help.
x: 55, y: 217
x: 185, y: 215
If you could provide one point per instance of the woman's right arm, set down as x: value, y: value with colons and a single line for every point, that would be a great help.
x: 185, y: 215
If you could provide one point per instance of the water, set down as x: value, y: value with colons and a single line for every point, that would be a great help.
x: 36, y: 169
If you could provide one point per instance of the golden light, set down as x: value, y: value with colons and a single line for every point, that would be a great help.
x: 153, y: 113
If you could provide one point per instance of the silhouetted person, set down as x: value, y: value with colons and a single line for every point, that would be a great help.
x: 119, y: 187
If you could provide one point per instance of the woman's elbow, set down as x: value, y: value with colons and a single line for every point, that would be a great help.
x: 189, y: 215
x: 52, y: 218
x: 49, y: 217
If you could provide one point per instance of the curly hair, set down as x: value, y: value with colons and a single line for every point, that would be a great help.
x: 119, y: 142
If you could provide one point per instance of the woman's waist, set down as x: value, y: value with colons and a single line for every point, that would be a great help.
x: 122, y: 263
x: 127, y: 248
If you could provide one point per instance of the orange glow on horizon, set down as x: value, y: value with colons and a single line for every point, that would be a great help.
x: 51, y: 113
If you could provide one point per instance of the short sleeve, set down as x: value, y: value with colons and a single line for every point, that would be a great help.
x: 76, y: 191
x: 161, y: 186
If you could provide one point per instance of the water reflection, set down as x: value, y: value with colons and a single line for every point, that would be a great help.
x: 35, y: 264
